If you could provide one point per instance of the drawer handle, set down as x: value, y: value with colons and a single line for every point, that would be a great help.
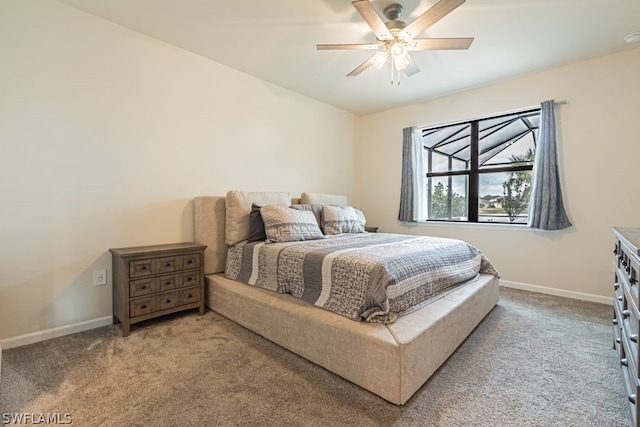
x: 618, y: 340
x: 144, y: 267
x: 143, y: 306
x: 628, y: 269
x: 616, y: 286
x: 190, y: 261
x: 624, y: 361
x: 619, y: 297
x: 167, y: 301
x: 189, y: 279
x: 189, y: 296
x: 625, y: 313
x: 168, y: 282
x: 168, y: 264
x: 615, y: 321
x: 634, y: 338
x: 633, y: 280
x: 632, y: 398
x: 143, y: 287
x: 615, y: 250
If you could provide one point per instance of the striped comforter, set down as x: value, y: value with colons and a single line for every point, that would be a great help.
x: 368, y: 276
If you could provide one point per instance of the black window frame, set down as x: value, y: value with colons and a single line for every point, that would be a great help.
x: 475, y: 170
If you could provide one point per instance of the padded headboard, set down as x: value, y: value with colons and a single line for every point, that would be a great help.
x: 210, y: 224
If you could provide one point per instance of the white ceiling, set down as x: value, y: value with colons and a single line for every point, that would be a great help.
x: 275, y: 41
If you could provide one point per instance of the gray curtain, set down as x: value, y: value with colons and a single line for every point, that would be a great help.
x: 546, y: 210
x: 412, y: 190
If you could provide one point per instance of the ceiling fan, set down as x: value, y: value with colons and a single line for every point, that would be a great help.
x: 395, y: 39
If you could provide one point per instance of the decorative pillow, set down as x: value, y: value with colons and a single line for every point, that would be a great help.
x: 315, y: 208
x: 283, y: 224
x: 342, y: 219
x: 256, y: 225
x: 323, y: 199
x: 238, y: 209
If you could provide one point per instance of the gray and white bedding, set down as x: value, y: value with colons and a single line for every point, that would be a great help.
x: 365, y: 276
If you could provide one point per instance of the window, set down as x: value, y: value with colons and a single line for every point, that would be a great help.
x: 480, y: 170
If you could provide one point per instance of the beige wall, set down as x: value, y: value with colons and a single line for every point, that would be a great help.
x: 107, y: 135
x: 105, y: 138
x: 599, y: 150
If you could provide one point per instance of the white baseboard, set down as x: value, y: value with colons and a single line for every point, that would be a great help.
x: 55, y: 332
x: 557, y: 292
x: 108, y: 320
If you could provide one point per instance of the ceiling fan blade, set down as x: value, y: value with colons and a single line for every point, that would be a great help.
x: 412, y: 68
x: 360, y: 68
x: 440, y: 44
x: 427, y: 19
x: 371, y: 17
x: 369, y: 46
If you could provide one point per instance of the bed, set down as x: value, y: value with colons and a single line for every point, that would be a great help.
x: 388, y: 355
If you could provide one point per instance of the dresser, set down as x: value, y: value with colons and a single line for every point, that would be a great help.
x: 151, y: 281
x: 626, y: 316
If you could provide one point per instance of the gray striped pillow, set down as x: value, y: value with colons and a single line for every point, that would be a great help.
x: 283, y: 224
x: 342, y: 219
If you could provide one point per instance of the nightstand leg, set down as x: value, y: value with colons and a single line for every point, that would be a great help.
x: 125, y: 329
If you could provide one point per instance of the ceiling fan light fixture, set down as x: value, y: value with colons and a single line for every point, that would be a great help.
x: 400, y: 56
x: 401, y: 61
x: 379, y: 59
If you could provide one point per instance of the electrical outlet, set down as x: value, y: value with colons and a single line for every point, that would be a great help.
x: 99, y: 277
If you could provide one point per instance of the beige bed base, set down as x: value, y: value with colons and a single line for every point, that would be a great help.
x: 393, y: 361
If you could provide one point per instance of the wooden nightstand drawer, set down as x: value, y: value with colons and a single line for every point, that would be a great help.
x: 189, y: 261
x: 140, y: 306
x: 168, y: 300
x: 152, y: 281
x: 166, y: 264
x: 190, y: 278
x: 189, y: 296
x: 143, y: 267
x: 167, y: 283
x: 141, y: 287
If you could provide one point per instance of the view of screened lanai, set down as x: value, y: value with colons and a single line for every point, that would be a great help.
x: 480, y: 170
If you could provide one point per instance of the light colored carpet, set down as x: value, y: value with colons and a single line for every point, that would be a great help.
x: 535, y: 360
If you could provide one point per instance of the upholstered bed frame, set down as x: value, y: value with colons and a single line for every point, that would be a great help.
x: 393, y: 361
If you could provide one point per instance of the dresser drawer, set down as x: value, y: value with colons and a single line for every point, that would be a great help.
x: 142, y: 267
x: 189, y: 278
x: 189, y: 261
x: 141, y: 287
x: 140, y: 306
x: 189, y: 296
x: 167, y: 300
x: 148, y: 267
x: 629, y: 334
x: 167, y: 283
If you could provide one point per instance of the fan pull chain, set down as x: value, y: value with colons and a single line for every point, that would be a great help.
x: 397, y: 75
x: 392, y: 73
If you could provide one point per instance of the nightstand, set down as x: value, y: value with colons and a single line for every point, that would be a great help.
x: 151, y: 281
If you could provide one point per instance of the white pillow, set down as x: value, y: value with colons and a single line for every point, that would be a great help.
x: 342, y: 219
x: 238, y: 209
x: 284, y: 224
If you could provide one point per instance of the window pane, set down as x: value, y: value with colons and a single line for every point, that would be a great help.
x: 508, y: 140
x: 504, y: 197
x: 448, y: 198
